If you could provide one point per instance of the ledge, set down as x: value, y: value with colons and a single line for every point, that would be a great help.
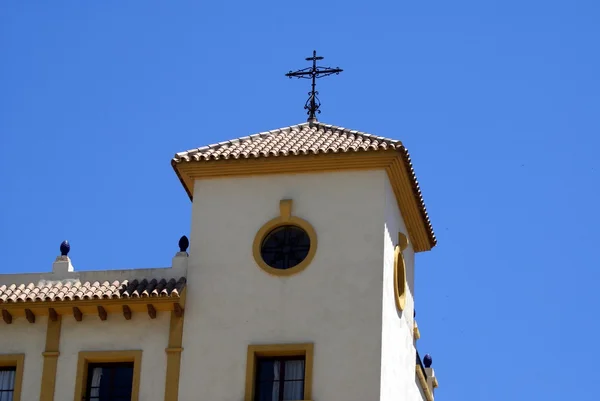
x: 101, y: 307
x: 93, y: 275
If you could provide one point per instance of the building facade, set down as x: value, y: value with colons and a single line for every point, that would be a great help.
x: 297, y: 283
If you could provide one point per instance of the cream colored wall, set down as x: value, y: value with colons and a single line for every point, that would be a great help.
x: 335, y: 303
x: 22, y: 337
x: 114, y: 334
x: 398, y: 353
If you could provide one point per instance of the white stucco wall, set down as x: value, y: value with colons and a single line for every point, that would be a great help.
x: 22, y: 337
x: 335, y: 303
x: 398, y: 353
x: 114, y: 334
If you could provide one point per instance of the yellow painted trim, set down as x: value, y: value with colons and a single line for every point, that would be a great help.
x: 50, y: 355
x: 16, y: 360
x: 90, y: 306
x: 174, y: 351
x: 87, y: 357
x: 39, y: 305
x: 306, y: 350
x: 402, y: 181
x: 400, y: 272
x: 423, y: 382
x: 416, y: 331
x: 285, y: 218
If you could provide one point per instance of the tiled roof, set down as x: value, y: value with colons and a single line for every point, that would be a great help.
x: 295, y: 140
x: 75, y: 290
x: 305, y: 139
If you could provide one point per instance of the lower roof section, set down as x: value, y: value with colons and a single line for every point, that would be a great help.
x: 100, y: 293
x: 77, y: 290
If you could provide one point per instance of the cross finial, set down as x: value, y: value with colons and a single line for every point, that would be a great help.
x: 314, y: 72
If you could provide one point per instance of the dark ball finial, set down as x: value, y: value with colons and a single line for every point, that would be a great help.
x: 427, y: 361
x: 64, y: 248
x: 184, y: 243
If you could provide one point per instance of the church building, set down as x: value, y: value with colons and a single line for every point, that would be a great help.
x: 296, y: 283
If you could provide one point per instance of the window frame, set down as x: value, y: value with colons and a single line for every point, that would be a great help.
x: 303, y: 249
x: 400, y: 272
x: 282, y: 380
x: 285, y: 219
x: 15, y: 361
x: 89, y: 377
x: 91, y: 357
x: 279, y: 351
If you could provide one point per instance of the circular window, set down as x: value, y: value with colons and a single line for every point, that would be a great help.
x: 285, y: 247
x: 400, y: 272
x: 399, y: 279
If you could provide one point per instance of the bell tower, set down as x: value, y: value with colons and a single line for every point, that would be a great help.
x: 301, y: 267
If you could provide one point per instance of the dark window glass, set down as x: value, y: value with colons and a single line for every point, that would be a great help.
x: 279, y: 379
x: 7, y: 382
x: 285, y: 247
x: 109, y: 382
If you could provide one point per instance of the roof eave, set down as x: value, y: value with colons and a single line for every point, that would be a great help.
x: 324, y: 162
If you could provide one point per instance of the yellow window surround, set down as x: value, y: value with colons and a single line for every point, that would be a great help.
x: 87, y: 357
x: 16, y: 361
x: 274, y: 350
x: 400, y: 272
x: 285, y: 218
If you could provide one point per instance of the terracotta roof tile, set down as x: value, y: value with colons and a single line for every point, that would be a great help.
x: 304, y: 139
x: 294, y: 140
x: 74, y: 290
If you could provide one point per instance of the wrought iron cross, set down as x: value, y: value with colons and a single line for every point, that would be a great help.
x: 314, y: 72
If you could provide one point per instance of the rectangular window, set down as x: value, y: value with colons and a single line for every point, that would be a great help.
x: 279, y: 379
x: 11, y: 376
x: 108, y: 376
x: 7, y: 382
x: 279, y: 372
x: 109, y: 381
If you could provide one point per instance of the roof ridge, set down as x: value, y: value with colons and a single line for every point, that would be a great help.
x: 357, y: 132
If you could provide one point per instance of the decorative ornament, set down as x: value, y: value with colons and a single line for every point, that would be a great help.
x: 184, y: 243
x: 64, y: 248
x: 427, y: 361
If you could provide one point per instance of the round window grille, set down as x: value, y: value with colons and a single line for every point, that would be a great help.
x: 285, y: 247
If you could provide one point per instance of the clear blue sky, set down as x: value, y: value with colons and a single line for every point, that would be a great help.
x: 497, y: 101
